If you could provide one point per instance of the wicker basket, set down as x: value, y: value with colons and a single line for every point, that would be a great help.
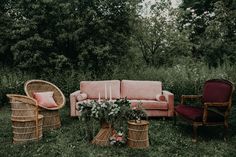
x: 26, y: 122
x: 104, y: 134
x: 26, y: 130
x: 138, y: 134
x: 51, y: 115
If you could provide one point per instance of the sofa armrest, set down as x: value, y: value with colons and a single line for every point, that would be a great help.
x: 170, y: 100
x: 73, y: 101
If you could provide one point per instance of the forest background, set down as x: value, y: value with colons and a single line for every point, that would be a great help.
x: 66, y: 41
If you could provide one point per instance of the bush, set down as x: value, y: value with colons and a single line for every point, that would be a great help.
x: 12, y: 81
x: 180, y: 79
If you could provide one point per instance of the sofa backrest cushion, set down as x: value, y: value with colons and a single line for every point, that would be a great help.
x: 93, y: 88
x: 145, y: 90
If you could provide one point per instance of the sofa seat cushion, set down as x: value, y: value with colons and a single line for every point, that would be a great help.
x: 140, y: 90
x: 150, y: 104
x: 93, y: 88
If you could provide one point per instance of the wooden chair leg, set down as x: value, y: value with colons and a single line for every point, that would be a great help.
x: 225, y: 132
x: 194, y: 133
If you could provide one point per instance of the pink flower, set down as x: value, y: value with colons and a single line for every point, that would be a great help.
x: 119, y: 138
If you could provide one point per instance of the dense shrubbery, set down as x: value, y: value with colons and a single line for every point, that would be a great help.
x: 180, y: 79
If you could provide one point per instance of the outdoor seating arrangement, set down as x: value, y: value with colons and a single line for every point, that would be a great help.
x: 217, y: 102
x: 26, y: 122
x: 150, y: 94
x: 50, y: 99
x: 39, y: 109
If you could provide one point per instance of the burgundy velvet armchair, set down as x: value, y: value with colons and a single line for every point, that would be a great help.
x: 216, y: 105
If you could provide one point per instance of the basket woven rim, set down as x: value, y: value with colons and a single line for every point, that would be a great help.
x: 143, y: 122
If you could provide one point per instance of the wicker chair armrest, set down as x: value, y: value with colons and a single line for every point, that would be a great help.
x: 185, y: 97
x: 22, y: 98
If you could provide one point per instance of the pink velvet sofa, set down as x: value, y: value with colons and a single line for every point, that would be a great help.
x: 147, y: 92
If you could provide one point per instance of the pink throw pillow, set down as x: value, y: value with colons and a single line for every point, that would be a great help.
x: 160, y: 97
x: 82, y: 96
x: 45, y: 99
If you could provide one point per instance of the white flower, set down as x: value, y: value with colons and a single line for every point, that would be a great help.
x: 187, y: 24
x: 104, y: 105
x: 212, y: 14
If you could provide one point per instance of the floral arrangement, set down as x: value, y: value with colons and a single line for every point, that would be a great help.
x: 116, y: 114
x: 110, y: 111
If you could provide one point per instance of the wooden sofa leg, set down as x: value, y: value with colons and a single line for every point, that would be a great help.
x: 175, y: 118
x: 194, y: 140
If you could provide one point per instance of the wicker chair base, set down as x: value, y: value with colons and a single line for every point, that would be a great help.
x: 25, y: 130
x: 51, y: 119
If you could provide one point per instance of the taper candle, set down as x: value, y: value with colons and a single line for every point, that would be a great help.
x: 99, y: 98
x: 105, y: 91
x: 110, y: 93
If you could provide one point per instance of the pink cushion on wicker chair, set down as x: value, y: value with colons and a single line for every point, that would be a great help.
x: 45, y: 99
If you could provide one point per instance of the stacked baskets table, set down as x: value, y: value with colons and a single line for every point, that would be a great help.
x: 138, y: 134
x: 51, y: 115
x: 26, y: 122
x: 104, y: 134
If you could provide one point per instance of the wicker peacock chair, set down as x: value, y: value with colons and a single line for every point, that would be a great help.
x: 51, y: 115
x: 26, y: 122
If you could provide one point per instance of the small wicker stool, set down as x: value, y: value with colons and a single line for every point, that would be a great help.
x: 51, y: 115
x: 138, y: 134
x: 26, y: 122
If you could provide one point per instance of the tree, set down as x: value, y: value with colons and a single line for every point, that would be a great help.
x: 213, y: 29
x: 5, y: 29
x: 89, y: 34
x: 158, y: 36
x: 215, y: 42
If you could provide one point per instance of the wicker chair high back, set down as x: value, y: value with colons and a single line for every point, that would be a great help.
x: 26, y: 122
x: 32, y: 86
x: 51, y: 118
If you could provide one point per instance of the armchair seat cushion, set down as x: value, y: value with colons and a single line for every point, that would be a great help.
x: 150, y: 104
x: 196, y: 114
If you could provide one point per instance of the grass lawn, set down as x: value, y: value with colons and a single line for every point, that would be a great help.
x: 70, y: 140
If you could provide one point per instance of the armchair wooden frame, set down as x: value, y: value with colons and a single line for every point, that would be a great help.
x: 207, y: 106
